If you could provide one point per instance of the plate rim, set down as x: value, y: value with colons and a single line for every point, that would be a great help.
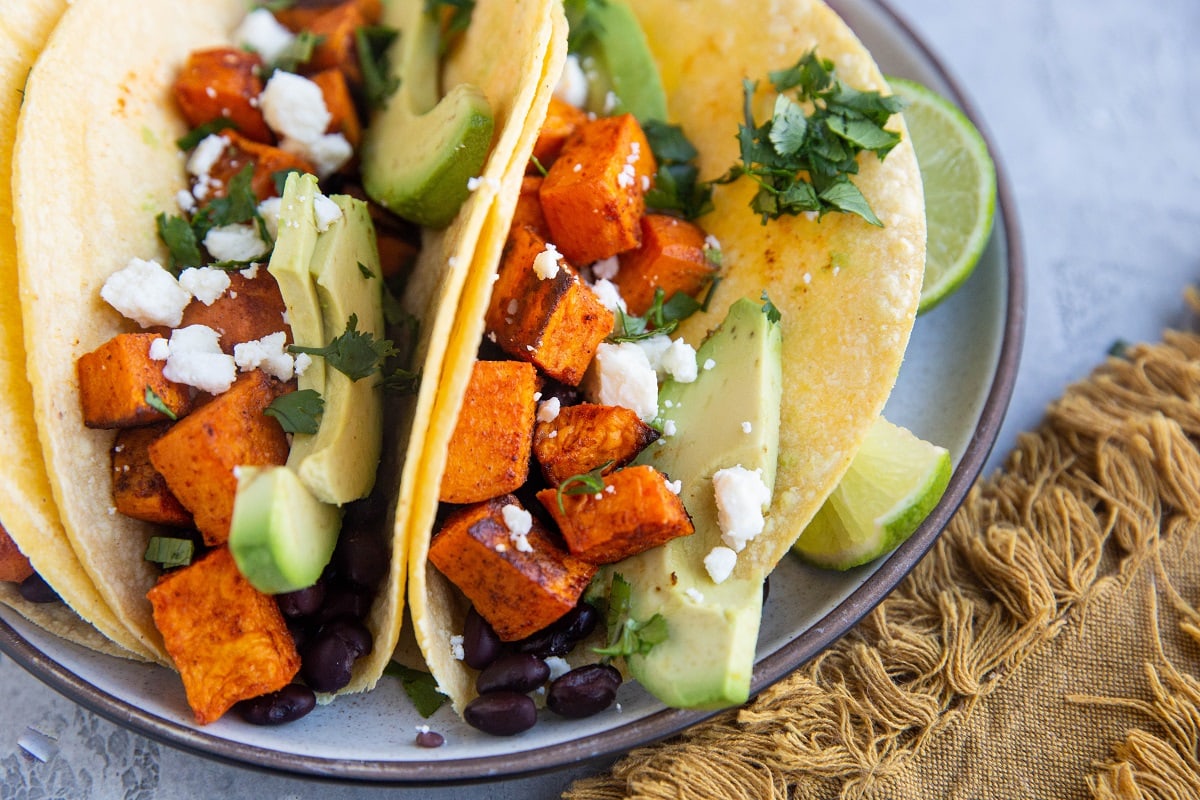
x: 661, y: 724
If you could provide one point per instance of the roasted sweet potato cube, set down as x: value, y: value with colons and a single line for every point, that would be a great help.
x: 520, y: 583
x: 337, y: 48
x: 14, y: 566
x: 266, y: 160
x: 250, y: 309
x: 562, y: 120
x: 227, y: 639
x: 299, y: 15
x: 593, y: 195
x: 223, y: 82
x: 528, y: 212
x: 635, y: 511
x: 113, y: 380
x: 199, y: 454
x: 586, y: 436
x: 340, y: 104
x: 670, y: 257
x: 556, y: 322
x: 489, y: 452
x: 139, y: 491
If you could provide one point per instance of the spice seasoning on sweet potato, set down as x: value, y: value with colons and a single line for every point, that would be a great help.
x: 299, y: 15
x: 518, y: 582
x: 489, y: 452
x: 336, y: 47
x: 139, y: 491
x: 671, y: 257
x: 344, y: 116
x: 228, y: 640
x: 223, y: 82
x: 586, y: 436
x: 267, y: 160
x: 528, y: 213
x: 562, y: 120
x: 635, y: 511
x: 14, y: 566
x: 593, y: 195
x: 556, y: 322
x: 113, y: 383
x: 199, y: 455
x: 250, y: 309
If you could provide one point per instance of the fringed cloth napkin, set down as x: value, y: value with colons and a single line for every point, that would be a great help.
x: 1048, y: 647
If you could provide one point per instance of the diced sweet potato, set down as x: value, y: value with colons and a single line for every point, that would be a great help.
x: 250, y: 309
x: 519, y: 584
x: 528, y: 212
x: 14, y: 566
x: 113, y: 380
x: 593, y: 195
x: 586, y: 436
x: 555, y: 322
x: 562, y: 120
x: 671, y: 256
x: 267, y: 160
x: 337, y: 48
x: 489, y: 452
x: 139, y: 491
x: 300, y: 14
x: 223, y: 82
x: 635, y: 511
x: 340, y: 104
x: 227, y: 639
x: 198, y: 455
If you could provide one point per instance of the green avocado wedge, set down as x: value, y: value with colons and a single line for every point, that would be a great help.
x: 622, y: 75
x: 420, y: 152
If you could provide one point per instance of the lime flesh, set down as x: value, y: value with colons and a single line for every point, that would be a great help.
x: 894, y: 481
x: 960, y: 188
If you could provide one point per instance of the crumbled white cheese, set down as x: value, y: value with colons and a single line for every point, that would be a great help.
x: 456, y: 647
x: 196, y: 360
x: 265, y: 35
x: 545, y: 263
x: 741, y: 497
x: 238, y: 242
x: 204, y: 283
x: 606, y: 268
x: 294, y: 107
x: 267, y: 354
x: 269, y: 211
x: 572, y: 86
x: 695, y: 594
x: 676, y: 486
x: 326, y: 212
x: 669, y: 428
x: 303, y: 362
x: 548, y: 411
x: 558, y: 667
x: 621, y: 375
x: 516, y: 519
x: 609, y: 295
x: 147, y: 294
x: 186, y: 201
x: 709, y: 364
x: 746, y: 426
x: 679, y: 361
x: 251, y: 272
x: 159, y: 350
x: 206, y: 154
x: 719, y: 563
x: 327, y: 153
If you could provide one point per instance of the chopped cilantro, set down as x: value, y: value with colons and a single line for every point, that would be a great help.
x: 627, y: 636
x: 677, y: 185
x: 457, y: 18
x: 581, y: 22
x: 354, y: 353
x: 420, y: 686
x: 402, y: 381
x: 586, y: 483
x: 802, y: 160
x: 539, y: 166
x: 770, y: 309
x: 240, y: 204
x: 661, y: 317
x: 156, y: 402
x: 299, y: 51
x: 372, y: 43
x: 299, y: 411
x: 169, y: 551
x: 200, y: 132
x: 177, y: 234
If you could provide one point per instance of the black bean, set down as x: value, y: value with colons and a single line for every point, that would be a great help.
x: 427, y: 738
x: 481, y: 645
x: 286, y: 705
x: 302, y: 602
x: 353, y: 633
x: 501, y: 713
x: 344, y: 601
x: 579, y: 622
x: 558, y: 638
x: 36, y: 590
x: 326, y: 662
x: 584, y: 691
x: 518, y: 672
x: 361, y: 557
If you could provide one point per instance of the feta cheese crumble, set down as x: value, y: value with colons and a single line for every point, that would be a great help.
x: 741, y: 497
x: 558, y: 667
x: 204, y: 283
x: 747, y: 427
x: 695, y: 594
x: 265, y: 35
x: 606, y: 268
x: 548, y: 411
x: 269, y: 211
x: 670, y: 358
x: 719, y: 563
x: 621, y: 375
x: 545, y: 263
x: 519, y: 523
x: 294, y: 107
x: 326, y: 212
x: 267, y: 354
x: 609, y: 295
x: 195, y: 359
x: 456, y: 647
x: 572, y: 86
x: 147, y: 294
x: 238, y: 242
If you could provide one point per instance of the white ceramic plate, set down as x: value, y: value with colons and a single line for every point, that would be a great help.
x: 953, y: 389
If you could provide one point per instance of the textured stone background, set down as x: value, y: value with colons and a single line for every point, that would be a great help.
x: 1091, y: 106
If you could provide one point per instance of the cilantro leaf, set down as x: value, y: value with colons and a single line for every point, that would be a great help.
x: 402, y: 381
x: 193, y: 137
x: 372, y: 43
x: 663, y: 316
x: 420, y: 686
x: 582, y: 23
x: 677, y: 186
x: 585, y: 483
x: 457, y: 20
x: 770, y: 309
x: 627, y: 636
x: 156, y: 402
x: 298, y: 411
x: 356, y: 354
x: 177, y: 234
x: 299, y: 51
x: 240, y: 204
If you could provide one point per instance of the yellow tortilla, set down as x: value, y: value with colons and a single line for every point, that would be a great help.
x: 847, y: 291
x: 27, y: 508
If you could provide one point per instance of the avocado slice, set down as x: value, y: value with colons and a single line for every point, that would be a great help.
x: 338, y: 463
x: 289, y: 266
x: 419, y: 152
x: 708, y: 655
x: 618, y: 61
x: 281, y: 537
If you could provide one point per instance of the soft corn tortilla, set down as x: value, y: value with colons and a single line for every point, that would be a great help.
x: 847, y: 291
x: 95, y: 162
x: 27, y: 509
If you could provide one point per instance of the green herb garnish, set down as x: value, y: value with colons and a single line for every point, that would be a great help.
x: 177, y: 234
x: 299, y: 411
x: 201, y: 132
x: 356, y: 354
x: 156, y: 402
x: 372, y: 43
x: 240, y: 204
x: 802, y: 160
x: 420, y: 686
x: 677, y: 185
x: 299, y: 51
x: 661, y: 318
x: 582, y: 23
x: 169, y: 551
x: 458, y: 18
x: 586, y: 483
x: 770, y: 309
x: 539, y: 166
x: 627, y: 636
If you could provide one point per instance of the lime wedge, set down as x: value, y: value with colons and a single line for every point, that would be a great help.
x: 893, y: 483
x: 960, y: 188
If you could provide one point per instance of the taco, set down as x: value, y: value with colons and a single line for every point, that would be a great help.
x: 843, y: 287
x: 98, y: 180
